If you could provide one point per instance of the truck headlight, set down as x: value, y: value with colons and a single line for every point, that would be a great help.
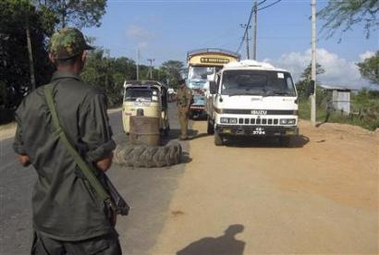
x: 225, y: 120
x: 287, y: 121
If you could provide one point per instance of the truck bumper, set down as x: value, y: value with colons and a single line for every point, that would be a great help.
x: 244, y: 130
x: 197, y: 112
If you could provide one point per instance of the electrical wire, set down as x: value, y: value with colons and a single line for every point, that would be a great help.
x: 255, y: 6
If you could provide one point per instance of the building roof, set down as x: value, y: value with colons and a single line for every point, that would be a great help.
x: 333, y: 87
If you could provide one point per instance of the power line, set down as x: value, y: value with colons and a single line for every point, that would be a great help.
x: 254, y: 9
x: 269, y: 5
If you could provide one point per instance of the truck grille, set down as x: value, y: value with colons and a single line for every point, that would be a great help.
x: 258, y: 121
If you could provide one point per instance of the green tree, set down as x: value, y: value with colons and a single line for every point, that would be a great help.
x: 173, y: 69
x: 346, y: 13
x: 369, y: 68
x: 109, y: 74
x: 79, y: 13
x: 303, y: 84
x: 16, y: 17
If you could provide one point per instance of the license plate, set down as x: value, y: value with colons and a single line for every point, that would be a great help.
x: 259, y: 131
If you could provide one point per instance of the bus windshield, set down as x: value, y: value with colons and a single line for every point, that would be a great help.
x: 257, y: 82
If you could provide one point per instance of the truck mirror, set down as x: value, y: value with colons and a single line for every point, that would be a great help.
x: 213, y: 87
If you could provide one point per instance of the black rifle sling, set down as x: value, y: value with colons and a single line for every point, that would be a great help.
x: 87, y: 172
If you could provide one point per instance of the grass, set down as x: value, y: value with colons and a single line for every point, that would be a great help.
x: 367, y: 118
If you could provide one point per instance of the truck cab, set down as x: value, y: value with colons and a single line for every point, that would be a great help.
x: 250, y: 98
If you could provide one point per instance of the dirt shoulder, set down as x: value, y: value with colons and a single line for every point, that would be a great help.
x: 319, y: 197
x: 7, y: 130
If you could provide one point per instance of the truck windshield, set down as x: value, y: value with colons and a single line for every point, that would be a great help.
x: 201, y: 72
x: 141, y: 94
x: 257, y: 82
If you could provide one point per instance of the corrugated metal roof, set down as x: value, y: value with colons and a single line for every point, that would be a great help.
x: 333, y: 87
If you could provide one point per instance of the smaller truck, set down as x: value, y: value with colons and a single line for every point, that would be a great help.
x: 250, y: 98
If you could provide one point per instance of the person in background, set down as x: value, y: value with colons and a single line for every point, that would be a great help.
x: 183, y: 101
x: 67, y: 216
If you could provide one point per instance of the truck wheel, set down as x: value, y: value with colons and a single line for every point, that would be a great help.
x: 284, y: 141
x: 218, y: 139
x: 210, y: 127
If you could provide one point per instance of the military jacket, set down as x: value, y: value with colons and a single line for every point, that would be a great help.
x: 184, y: 96
x: 64, y: 207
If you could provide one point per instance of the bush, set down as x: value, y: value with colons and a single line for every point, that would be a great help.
x: 364, y: 111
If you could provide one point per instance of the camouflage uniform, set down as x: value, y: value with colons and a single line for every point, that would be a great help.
x: 183, y: 101
x: 67, y: 43
x: 67, y: 217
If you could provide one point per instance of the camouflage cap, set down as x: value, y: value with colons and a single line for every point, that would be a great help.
x: 67, y: 42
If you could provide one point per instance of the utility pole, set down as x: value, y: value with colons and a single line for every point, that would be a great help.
x: 30, y: 53
x: 108, y: 55
x: 247, y: 39
x: 255, y: 30
x: 137, y: 63
x: 313, y: 66
x: 151, y: 60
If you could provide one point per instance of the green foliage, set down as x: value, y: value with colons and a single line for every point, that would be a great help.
x: 110, y: 73
x: 345, y: 14
x: 369, y: 68
x: 173, y: 69
x: 364, y: 106
x: 100, y: 72
x: 303, y: 85
x: 77, y: 13
x: 16, y: 17
x: 364, y: 110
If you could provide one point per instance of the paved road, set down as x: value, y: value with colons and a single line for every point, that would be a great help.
x: 248, y: 197
x: 147, y: 190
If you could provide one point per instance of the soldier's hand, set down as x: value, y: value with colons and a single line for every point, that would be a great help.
x: 105, y: 163
x: 24, y: 160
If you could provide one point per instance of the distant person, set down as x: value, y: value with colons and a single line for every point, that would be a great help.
x: 183, y: 101
x: 67, y: 216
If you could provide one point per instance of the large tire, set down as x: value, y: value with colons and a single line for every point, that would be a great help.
x: 166, y: 131
x: 210, y: 127
x: 218, y: 139
x: 148, y: 156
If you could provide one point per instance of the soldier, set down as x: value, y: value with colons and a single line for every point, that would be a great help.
x: 183, y: 101
x: 67, y: 217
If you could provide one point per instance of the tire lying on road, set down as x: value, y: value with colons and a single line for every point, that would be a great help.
x: 148, y: 156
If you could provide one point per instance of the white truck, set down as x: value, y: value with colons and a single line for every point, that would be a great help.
x: 250, y: 98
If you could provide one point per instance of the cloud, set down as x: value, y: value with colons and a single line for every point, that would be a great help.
x: 367, y: 54
x: 140, y: 35
x: 338, y: 71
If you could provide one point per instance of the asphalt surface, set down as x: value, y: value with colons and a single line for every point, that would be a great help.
x: 147, y: 190
x: 320, y: 196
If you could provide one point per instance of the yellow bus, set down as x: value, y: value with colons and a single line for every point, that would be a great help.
x: 203, y: 64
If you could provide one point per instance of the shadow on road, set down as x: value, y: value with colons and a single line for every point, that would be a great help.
x: 242, y: 141
x: 226, y: 244
x: 266, y: 142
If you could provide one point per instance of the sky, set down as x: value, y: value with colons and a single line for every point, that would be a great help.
x: 167, y: 29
